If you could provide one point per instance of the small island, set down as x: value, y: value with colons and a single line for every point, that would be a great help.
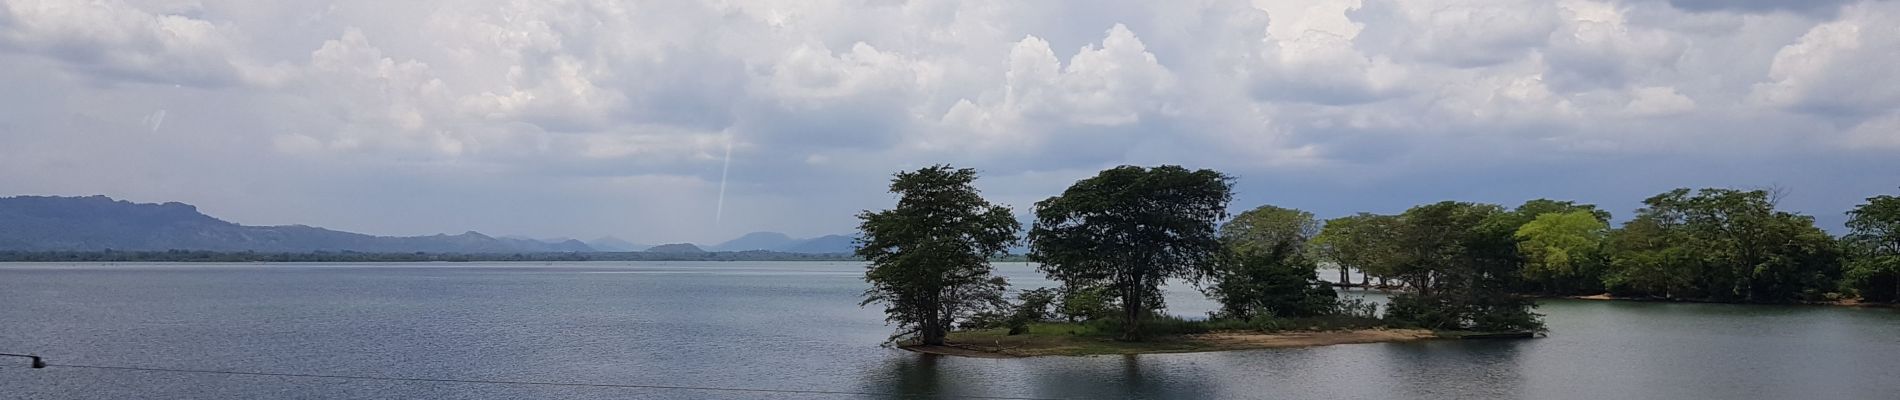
x: 1053, y: 341
x: 1111, y: 241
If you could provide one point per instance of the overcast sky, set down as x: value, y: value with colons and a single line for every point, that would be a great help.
x: 588, y: 118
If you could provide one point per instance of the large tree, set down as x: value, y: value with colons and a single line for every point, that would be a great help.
x: 1561, y: 250
x: 1130, y: 229
x: 1270, y: 272
x: 1722, y: 244
x: 1461, y: 263
x: 1874, y: 237
x: 1363, y: 242
x: 929, y: 256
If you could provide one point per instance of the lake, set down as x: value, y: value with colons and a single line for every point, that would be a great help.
x: 797, y: 326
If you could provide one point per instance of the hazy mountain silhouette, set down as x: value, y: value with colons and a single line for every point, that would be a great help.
x: 756, y: 241
x: 676, y: 248
x: 824, y: 244
x: 38, y: 223
x: 610, y: 243
x: 779, y: 242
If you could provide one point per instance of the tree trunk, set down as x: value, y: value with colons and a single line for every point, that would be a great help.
x: 1131, y: 312
x: 933, y: 329
x: 1344, y: 278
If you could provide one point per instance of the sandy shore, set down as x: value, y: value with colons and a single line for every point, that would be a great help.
x: 1035, y: 346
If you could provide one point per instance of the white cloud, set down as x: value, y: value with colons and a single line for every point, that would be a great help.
x: 813, y: 93
x: 1837, y: 67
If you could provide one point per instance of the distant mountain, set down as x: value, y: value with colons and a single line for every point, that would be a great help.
x: 757, y: 241
x: 610, y: 243
x: 824, y: 245
x: 779, y: 242
x: 37, y: 223
x: 676, y: 248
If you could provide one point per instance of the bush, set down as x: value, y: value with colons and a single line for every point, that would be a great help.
x: 1280, y: 283
x: 1031, y: 306
x: 1087, y: 304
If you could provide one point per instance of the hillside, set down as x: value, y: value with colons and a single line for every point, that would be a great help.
x: 39, y: 223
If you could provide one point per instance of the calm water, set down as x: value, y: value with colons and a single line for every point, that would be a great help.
x: 797, y: 326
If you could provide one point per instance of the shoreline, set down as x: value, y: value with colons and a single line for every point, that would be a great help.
x: 1024, y: 346
x: 1836, y: 303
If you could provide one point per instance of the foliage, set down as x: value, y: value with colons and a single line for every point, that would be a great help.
x: 1560, y: 247
x: 1130, y: 229
x: 1031, y: 306
x: 1267, y: 272
x: 929, y: 255
x: 1874, y: 239
x: 1363, y: 242
x: 1086, y: 303
x: 1462, y: 265
x: 1721, y: 245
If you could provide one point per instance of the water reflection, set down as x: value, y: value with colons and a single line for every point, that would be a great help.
x: 1455, y: 369
x: 907, y: 377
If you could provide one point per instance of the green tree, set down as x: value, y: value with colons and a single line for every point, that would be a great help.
x: 1874, y: 237
x: 929, y: 256
x: 1364, y: 242
x: 1269, y: 271
x: 1559, y: 247
x: 1130, y: 229
x: 1723, y: 245
x: 1462, y: 270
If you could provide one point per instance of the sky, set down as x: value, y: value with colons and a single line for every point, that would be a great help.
x: 691, y: 120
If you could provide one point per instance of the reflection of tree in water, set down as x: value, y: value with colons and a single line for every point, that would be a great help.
x: 913, y: 376
x: 1456, y: 369
x: 1125, y: 377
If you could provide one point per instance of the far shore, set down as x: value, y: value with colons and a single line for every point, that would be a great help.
x: 993, y: 344
x: 1834, y: 303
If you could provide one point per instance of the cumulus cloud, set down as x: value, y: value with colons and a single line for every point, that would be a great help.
x: 564, y: 96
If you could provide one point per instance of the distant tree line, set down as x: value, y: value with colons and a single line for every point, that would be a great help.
x: 351, y: 256
x: 1720, y: 245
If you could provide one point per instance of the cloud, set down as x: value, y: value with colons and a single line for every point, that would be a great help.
x: 117, y: 41
x: 632, y: 103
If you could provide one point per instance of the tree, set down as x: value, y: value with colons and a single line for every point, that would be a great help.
x: 1364, y: 242
x: 1130, y: 229
x: 1560, y: 247
x: 1724, y: 245
x: 1462, y: 269
x: 1874, y: 238
x: 929, y: 256
x: 1268, y: 271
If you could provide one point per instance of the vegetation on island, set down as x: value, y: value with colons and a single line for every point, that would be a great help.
x: 929, y: 256
x: 1128, y: 230
x: 1112, y: 240
x: 1457, y: 269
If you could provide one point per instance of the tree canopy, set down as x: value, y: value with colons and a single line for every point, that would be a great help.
x: 1723, y: 245
x: 1462, y: 269
x: 1364, y: 242
x: 1130, y: 229
x: 929, y: 256
x: 1874, y: 239
x: 1269, y: 271
x: 1560, y: 247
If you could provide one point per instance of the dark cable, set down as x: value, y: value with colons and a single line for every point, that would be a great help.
x: 37, y: 362
x: 569, y: 384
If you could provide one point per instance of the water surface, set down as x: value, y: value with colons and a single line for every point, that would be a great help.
x: 797, y: 326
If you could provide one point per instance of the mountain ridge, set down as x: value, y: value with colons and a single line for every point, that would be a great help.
x: 59, y: 223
